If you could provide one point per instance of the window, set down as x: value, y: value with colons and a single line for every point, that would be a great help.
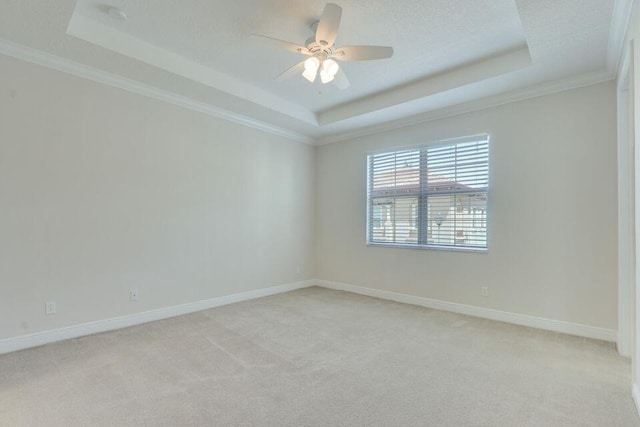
x: 433, y: 196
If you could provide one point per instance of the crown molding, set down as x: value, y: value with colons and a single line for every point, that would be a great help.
x: 77, y: 69
x: 477, y: 105
x: 64, y: 65
x: 110, y: 38
x: 620, y: 20
x: 471, y: 73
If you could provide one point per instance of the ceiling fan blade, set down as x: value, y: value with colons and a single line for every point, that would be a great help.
x: 340, y: 80
x: 329, y: 24
x: 363, y: 53
x: 293, y: 71
x: 282, y: 44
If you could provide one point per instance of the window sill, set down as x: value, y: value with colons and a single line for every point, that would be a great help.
x: 430, y: 247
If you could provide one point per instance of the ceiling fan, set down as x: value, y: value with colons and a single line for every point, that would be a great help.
x: 322, y: 53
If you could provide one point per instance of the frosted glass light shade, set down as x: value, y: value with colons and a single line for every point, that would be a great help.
x: 331, y: 67
x: 310, y: 75
x: 311, y: 66
x: 325, y: 77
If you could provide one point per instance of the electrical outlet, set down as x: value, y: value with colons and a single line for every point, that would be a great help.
x: 50, y: 307
x: 134, y: 294
x: 484, y: 291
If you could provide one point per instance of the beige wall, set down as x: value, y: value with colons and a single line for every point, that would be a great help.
x: 102, y: 191
x: 552, y: 212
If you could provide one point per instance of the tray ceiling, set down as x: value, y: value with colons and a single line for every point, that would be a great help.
x: 446, y: 53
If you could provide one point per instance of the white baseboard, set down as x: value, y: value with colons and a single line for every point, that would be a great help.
x: 40, y: 338
x: 33, y: 340
x: 486, y: 313
x: 635, y: 393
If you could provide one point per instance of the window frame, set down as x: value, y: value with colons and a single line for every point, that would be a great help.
x: 433, y: 144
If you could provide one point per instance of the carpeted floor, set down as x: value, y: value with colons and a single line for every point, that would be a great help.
x: 317, y: 357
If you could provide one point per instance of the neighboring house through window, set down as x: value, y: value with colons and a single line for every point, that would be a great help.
x: 433, y: 196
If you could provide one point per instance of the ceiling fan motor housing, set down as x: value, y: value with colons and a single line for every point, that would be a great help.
x: 313, y: 46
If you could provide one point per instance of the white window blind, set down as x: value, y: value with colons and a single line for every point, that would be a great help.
x: 431, y: 196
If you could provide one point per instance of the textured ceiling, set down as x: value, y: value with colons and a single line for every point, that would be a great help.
x: 427, y: 36
x: 446, y: 52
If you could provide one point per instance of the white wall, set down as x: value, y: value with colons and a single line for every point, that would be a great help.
x: 102, y: 191
x: 631, y: 65
x: 552, y: 212
x: 626, y: 211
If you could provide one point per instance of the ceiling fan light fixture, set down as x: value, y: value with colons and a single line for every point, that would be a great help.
x: 311, y: 66
x: 331, y: 67
x: 326, y: 77
x: 310, y: 75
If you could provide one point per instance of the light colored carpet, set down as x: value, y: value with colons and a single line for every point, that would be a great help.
x: 317, y: 357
